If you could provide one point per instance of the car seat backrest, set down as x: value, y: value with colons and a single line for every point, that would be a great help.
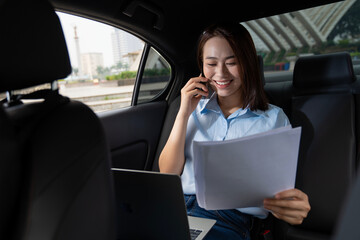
x: 55, y: 163
x: 279, y: 93
x: 348, y: 223
x: 31, y: 35
x: 324, y: 106
x: 9, y: 176
x: 314, y: 72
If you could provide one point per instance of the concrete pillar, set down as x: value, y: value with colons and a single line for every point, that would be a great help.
x: 271, y: 33
x: 282, y: 30
x: 310, y: 27
x: 255, y: 28
x: 295, y: 28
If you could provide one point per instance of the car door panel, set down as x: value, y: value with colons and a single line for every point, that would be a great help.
x: 133, y: 134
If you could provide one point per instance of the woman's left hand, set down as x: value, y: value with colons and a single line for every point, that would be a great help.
x: 291, y: 206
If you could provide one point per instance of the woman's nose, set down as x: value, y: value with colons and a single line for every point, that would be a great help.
x: 221, y: 70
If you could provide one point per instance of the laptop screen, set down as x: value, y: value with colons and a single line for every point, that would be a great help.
x: 150, y: 205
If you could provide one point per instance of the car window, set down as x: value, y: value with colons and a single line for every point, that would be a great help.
x: 155, y: 78
x: 105, y: 62
x: 283, y: 38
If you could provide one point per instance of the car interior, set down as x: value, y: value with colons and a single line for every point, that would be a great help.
x: 57, y: 153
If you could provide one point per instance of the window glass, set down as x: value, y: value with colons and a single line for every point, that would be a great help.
x: 283, y: 38
x: 105, y: 62
x: 156, y: 76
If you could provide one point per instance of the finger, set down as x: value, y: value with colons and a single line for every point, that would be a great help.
x: 196, y: 80
x: 191, y: 81
x: 195, y: 92
x: 289, y: 212
x: 190, y: 85
x: 291, y: 193
x: 291, y: 220
x: 292, y: 204
x: 197, y: 85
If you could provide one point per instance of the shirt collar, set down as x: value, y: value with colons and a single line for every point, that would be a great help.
x: 260, y: 113
x: 211, y: 104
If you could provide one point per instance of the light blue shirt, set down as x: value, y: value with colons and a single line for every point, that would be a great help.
x: 207, y: 123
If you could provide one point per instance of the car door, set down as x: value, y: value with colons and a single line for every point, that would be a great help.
x: 133, y: 132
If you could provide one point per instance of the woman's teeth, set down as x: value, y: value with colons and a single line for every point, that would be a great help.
x: 223, y: 83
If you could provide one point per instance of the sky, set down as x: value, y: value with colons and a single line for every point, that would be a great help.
x: 93, y: 37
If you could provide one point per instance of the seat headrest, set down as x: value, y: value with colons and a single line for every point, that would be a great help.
x: 323, y: 71
x: 32, y: 45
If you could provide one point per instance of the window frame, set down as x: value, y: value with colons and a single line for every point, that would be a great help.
x: 163, y: 94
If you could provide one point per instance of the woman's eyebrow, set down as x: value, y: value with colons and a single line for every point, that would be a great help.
x: 229, y: 57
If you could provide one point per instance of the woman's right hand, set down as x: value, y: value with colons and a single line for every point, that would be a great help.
x: 191, y: 94
x: 172, y: 158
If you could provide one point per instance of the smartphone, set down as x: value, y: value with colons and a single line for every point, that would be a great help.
x: 202, y: 75
x: 207, y: 85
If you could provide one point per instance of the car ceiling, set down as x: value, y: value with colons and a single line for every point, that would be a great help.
x: 180, y: 22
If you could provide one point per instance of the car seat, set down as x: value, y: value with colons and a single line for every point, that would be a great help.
x: 348, y: 223
x: 56, y: 181
x: 323, y: 104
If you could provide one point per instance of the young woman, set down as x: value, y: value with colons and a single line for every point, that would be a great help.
x: 226, y: 101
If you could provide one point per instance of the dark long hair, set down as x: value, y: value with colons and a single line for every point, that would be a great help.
x: 252, y: 89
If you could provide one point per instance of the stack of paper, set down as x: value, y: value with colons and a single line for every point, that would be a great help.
x: 243, y: 172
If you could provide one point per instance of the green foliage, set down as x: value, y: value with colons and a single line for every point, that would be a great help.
x: 304, y: 49
x: 355, y: 54
x: 349, y: 24
x: 281, y: 55
x: 344, y: 43
x: 269, y: 58
x: 156, y: 72
x: 122, y: 75
x: 128, y: 74
x: 291, y: 54
x: 147, y: 73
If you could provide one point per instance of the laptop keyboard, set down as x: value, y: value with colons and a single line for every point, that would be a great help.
x: 194, y: 233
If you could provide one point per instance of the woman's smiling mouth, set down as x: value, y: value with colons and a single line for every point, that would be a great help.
x: 222, y: 84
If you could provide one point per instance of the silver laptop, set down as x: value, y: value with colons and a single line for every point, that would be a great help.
x: 151, y: 205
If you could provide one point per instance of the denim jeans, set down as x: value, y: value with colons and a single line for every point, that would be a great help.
x: 230, y: 224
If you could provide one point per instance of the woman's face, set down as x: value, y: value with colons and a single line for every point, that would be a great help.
x: 221, y: 67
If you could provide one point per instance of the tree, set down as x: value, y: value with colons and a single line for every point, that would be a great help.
x: 349, y: 24
x: 75, y: 71
x: 120, y: 66
x: 102, y: 72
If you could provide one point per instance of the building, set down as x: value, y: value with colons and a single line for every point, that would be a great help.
x: 78, y: 55
x: 124, y: 43
x: 90, y: 62
x: 304, y: 28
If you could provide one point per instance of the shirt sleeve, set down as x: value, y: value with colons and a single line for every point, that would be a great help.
x: 282, y: 120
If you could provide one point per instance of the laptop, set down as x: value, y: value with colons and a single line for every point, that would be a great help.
x: 151, y: 205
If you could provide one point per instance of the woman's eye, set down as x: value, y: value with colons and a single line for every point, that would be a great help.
x: 211, y: 64
x: 231, y: 63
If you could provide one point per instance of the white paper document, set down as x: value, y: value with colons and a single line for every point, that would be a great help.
x: 243, y: 172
